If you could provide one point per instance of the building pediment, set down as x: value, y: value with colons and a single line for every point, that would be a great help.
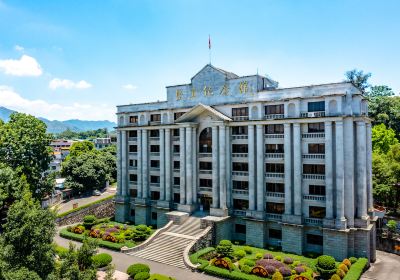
x: 200, y: 109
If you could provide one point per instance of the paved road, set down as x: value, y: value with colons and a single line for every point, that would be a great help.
x: 386, y: 267
x: 122, y: 261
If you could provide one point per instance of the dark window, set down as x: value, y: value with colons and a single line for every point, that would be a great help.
x: 239, y: 130
x: 275, y: 167
x: 176, y: 148
x: 132, y: 212
x: 154, y: 215
x: 315, y: 239
x: 133, y: 192
x: 154, y: 195
x: 155, y: 118
x: 178, y: 115
x: 274, y: 148
x: 316, y: 190
x: 155, y: 148
x: 240, y: 112
x: 177, y: 164
x: 154, y: 133
x: 133, y: 162
x: 177, y: 197
x: 240, y: 166
x: 316, y: 127
x: 205, y: 165
x: 316, y: 148
x: 274, y: 129
x: 132, y: 148
x: 155, y: 163
x: 274, y: 109
x: 205, y: 141
x: 316, y: 212
x: 239, y: 228
x: 316, y: 106
x: 133, y: 119
x: 154, y: 179
x: 313, y: 169
x: 177, y: 181
x: 240, y: 148
x: 240, y: 204
x: 275, y: 233
x: 240, y: 185
x: 132, y: 133
x: 275, y: 208
x: 275, y: 187
x: 175, y: 132
x: 133, y: 177
x: 206, y: 183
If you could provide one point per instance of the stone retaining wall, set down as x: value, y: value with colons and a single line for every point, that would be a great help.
x: 104, y: 209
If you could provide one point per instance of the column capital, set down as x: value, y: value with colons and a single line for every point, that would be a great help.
x: 328, y: 123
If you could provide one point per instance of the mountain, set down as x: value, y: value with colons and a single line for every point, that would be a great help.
x: 60, y: 126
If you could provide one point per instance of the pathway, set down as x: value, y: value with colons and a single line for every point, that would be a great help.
x: 386, y: 267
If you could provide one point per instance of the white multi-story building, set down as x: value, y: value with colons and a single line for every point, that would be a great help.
x: 289, y: 167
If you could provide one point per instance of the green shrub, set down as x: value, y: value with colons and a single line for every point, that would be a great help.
x: 239, y: 254
x: 137, y: 268
x: 278, y: 258
x: 60, y: 251
x: 343, y: 267
x: 248, y: 249
x: 245, y: 269
x: 156, y: 276
x: 141, y: 232
x: 356, y: 269
x: 335, y: 277
x: 226, y: 274
x: 195, y: 258
x: 248, y: 262
x: 352, y: 259
x: 101, y: 260
x: 326, y: 266
x: 277, y: 276
x: 259, y: 256
x: 340, y: 272
x: 142, y: 276
x: 225, y: 248
x: 392, y: 225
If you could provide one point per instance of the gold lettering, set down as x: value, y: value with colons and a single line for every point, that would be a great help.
x: 178, y: 94
x: 207, y: 91
x: 224, y: 90
x: 243, y: 87
x: 193, y: 93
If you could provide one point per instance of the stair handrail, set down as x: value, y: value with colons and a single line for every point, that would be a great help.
x: 145, y: 243
x: 186, y: 259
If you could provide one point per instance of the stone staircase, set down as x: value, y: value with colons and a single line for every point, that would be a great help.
x: 168, y: 247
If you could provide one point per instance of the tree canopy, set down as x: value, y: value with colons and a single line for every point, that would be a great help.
x: 359, y: 79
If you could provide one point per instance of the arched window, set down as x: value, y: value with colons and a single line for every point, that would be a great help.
x: 205, y: 141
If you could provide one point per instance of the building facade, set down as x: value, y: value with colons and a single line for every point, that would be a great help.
x: 288, y: 167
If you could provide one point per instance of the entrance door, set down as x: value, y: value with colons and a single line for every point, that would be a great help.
x: 205, y: 202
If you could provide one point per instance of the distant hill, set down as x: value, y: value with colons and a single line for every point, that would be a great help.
x: 60, y: 126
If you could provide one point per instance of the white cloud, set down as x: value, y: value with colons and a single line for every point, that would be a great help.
x: 25, y: 66
x: 129, y: 87
x: 68, y: 84
x: 53, y: 111
x: 19, y: 48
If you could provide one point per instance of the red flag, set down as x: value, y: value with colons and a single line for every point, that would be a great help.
x: 209, y: 42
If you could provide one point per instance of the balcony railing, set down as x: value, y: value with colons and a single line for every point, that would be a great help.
x: 274, y: 155
x: 313, y: 135
x: 314, y: 176
x: 314, y: 197
x: 240, y: 213
x: 240, y: 173
x: 155, y: 122
x: 314, y: 156
x: 205, y: 155
x: 274, y: 175
x: 243, y: 192
x: 154, y: 138
x: 313, y: 221
x: 176, y: 169
x: 317, y: 114
x: 240, y: 118
x: 132, y: 138
x: 176, y: 154
x: 157, y: 154
x: 155, y: 185
x: 175, y: 138
x: 274, y: 136
x: 176, y: 187
x: 274, y: 116
x: 272, y: 216
x: 203, y: 171
x: 133, y: 153
x: 206, y: 189
x: 154, y: 168
x: 234, y: 137
x: 239, y: 154
x: 132, y: 167
x: 275, y: 194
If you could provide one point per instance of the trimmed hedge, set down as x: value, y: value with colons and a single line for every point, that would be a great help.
x: 102, y: 260
x: 142, y: 276
x: 137, y: 268
x: 195, y: 258
x: 85, y: 206
x: 156, y: 276
x: 356, y: 269
x: 226, y: 274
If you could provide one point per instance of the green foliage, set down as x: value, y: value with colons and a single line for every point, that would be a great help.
x: 89, y: 134
x: 277, y: 276
x: 195, y: 258
x: 356, y: 269
x: 383, y: 138
x: 21, y: 274
x: 358, y: 79
x: 156, y: 276
x: 239, y: 254
x: 85, y: 206
x: 248, y: 249
x: 340, y: 272
x: 137, y: 268
x: 326, y: 265
x: 12, y: 185
x: 110, y: 270
x: 225, y: 248
x: 141, y: 232
x: 336, y: 277
x: 226, y: 274
x: 60, y: 251
x: 259, y: 256
x: 86, y: 252
x: 392, y: 225
x: 245, y: 269
x: 79, y: 148
x: 24, y: 146
x: 352, y: 259
x: 278, y: 258
x: 89, y: 221
x: 142, y: 276
x: 26, y: 240
x: 101, y: 260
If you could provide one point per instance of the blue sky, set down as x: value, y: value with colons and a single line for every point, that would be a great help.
x: 79, y: 59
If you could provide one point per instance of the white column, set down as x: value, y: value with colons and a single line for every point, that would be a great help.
x: 228, y: 146
x: 297, y: 169
x: 182, y: 167
x: 369, y: 167
x: 260, y: 167
x: 125, y: 175
x: 145, y: 164
x: 222, y: 168
x: 349, y: 171
x: 194, y: 165
x: 189, y: 165
x: 288, y: 168
x: 139, y: 164
x: 162, y: 164
x: 361, y: 171
x: 328, y: 170
x: 168, y: 170
x: 339, y: 152
x: 119, y: 162
x: 252, y: 171
x: 215, y: 171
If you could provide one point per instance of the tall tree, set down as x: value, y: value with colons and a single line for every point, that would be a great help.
x: 383, y: 138
x: 79, y: 148
x: 359, y: 79
x: 24, y: 146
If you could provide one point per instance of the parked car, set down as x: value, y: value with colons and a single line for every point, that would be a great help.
x: 96, y: 192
